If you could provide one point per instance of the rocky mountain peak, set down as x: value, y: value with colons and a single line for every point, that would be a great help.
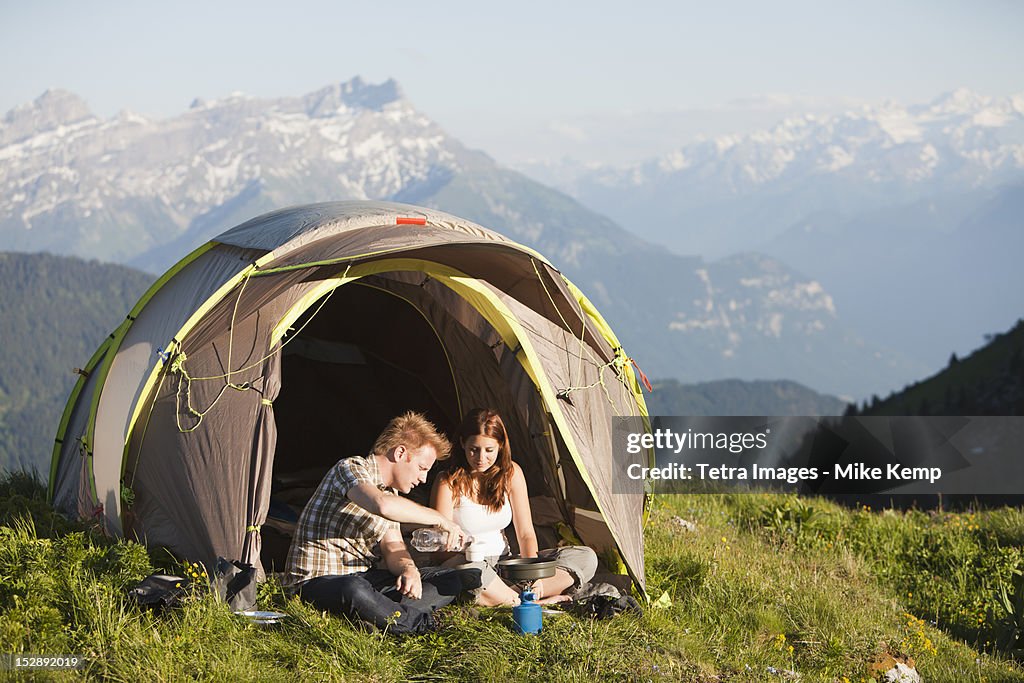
x: 61, y: 106
x: 959, y: 101
x: 352, y: 94
x: 50, y: 110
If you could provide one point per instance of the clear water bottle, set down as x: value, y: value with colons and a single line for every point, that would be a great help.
x: 430, y: 539
x: 528, y: 615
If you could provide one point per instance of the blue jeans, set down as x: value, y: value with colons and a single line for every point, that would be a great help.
x: 371, y: 596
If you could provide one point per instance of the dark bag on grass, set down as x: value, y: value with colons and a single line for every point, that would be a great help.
x: 160, y: 591
x: 603, y: 601
x: 235, y: 583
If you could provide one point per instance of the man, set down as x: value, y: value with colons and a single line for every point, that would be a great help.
x: 348, y: 556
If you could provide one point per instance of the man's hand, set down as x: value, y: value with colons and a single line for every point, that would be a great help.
x: 409, y: 583
x: 456, y: 536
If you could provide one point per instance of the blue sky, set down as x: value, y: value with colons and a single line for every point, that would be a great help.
x: 492, y: 73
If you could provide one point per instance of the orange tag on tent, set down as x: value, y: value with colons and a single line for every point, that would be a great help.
x: 410, y: 220
x: 643, y: 377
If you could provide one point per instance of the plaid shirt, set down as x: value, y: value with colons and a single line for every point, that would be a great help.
x: 335, y: 536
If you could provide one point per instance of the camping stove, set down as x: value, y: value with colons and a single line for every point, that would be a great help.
x: 524, y: 571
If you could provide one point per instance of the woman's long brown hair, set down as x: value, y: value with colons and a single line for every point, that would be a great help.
x: 491, y: 488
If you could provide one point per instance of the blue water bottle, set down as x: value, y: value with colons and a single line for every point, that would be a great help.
x: 527, y: 615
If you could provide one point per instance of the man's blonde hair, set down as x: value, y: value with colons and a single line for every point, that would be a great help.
x: 412, y: 430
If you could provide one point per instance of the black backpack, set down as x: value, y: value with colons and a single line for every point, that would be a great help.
x: 160, y: 591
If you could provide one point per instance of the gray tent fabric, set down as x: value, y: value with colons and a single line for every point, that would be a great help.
x: 201, y: 425
x: 69, y: 477
x: 148, y: 336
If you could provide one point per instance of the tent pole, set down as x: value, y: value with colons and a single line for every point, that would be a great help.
x: 558, y: 475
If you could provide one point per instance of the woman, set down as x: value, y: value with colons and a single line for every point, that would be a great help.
x: 482, y: 491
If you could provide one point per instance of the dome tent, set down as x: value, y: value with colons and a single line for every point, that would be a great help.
x: 288, y: 341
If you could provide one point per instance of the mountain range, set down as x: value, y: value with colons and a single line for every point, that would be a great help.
x: 909, y: 216
x: 144, y: 192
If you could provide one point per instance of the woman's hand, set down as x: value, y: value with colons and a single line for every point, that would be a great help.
x: 409, y: 583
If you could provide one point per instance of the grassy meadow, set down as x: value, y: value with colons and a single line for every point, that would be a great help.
x: 765, y: 588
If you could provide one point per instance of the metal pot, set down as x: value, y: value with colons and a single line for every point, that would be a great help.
x: 525, y: 569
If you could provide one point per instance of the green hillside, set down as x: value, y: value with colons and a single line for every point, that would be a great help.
x: 55, y: 311
x: 988, y: 382
x: 738, y: 397
x: 744, y: 588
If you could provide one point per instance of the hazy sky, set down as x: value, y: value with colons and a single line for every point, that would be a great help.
x: 498, y: 76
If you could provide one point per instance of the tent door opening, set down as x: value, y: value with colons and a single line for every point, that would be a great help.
x: 365, y: 357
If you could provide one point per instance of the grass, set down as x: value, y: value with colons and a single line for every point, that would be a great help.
x: 766, y: 585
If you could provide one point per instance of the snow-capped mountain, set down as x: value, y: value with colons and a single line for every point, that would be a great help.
x: 67, y: 175
x: 908, y: 216
x: 736, y: 192
x: 145, y: 192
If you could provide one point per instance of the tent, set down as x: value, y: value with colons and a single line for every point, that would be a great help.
x: 287, y: 342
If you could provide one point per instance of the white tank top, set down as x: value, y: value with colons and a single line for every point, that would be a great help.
x: 482, y: 524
